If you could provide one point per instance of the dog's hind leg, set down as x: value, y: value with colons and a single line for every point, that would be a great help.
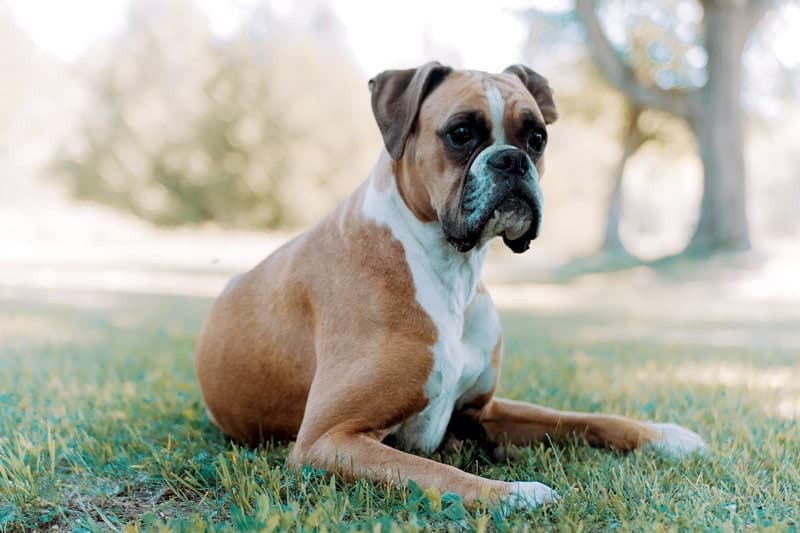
x: 506, y: 421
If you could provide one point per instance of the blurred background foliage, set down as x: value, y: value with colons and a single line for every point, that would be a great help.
x: 256, y: 131
x: 268, y: 126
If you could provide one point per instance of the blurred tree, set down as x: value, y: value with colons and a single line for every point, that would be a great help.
x: 556, y: 44
x: 710, y: 103
x: 632, y: 139
x: 188, y: 127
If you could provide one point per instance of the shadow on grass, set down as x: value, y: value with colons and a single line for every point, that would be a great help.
x: 671, y: 267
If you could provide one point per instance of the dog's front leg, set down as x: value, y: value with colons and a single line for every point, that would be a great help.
x: 507, y: 421
x: 362, y: 455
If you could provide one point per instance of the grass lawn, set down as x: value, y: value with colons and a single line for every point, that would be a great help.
x: 102, y: 427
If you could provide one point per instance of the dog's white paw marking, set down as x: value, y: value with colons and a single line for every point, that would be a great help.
x: 529, y: 494
x: 677, y: 441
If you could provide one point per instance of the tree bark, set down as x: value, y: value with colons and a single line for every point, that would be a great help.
x: 716, y: 121
x: 632, y: 139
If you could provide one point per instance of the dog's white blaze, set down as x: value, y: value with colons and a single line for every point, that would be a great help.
x: 467, y: 324
x: 497, y: 108
x: 484, y: 176
x: 485, y: 183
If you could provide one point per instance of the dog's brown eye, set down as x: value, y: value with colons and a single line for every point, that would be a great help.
x: 460, y: 136
x: 536, y: 140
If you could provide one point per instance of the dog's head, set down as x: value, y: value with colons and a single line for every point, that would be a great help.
x: 468, y: 148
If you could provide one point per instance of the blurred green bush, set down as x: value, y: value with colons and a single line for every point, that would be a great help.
x: 187, y: 127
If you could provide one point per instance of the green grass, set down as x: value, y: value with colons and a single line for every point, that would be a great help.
x: 102, y: 427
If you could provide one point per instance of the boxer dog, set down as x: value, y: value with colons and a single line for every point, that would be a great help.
x: 374, y: 323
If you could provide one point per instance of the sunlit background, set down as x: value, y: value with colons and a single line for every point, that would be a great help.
x: 160, y: 145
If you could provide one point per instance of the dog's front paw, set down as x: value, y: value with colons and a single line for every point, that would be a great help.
x: 529, y: 494
x: 676, y: 441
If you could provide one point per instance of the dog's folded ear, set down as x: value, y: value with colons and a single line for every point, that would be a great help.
x: 396, y: 98
x: 538, y: 87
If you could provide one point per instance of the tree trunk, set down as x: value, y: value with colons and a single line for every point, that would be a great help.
x: 716, y: 121
x: 631, y: 141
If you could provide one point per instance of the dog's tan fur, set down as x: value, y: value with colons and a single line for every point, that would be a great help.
x: 324, y: 341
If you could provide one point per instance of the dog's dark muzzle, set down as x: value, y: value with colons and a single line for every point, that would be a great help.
x: 514, y: 193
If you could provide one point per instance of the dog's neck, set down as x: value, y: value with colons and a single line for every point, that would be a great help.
x: 431, y: 258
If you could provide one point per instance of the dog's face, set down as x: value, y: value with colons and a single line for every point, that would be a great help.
x: 468, y: 148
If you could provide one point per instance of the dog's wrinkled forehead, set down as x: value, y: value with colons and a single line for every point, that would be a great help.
x: 498, y: 98
x: 404, y: 99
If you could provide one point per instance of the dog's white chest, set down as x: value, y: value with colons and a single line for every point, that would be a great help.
x: 462, y: 371
x: 466, y: 321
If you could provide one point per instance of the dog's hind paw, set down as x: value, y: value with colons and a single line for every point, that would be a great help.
x: 529, y: 494
x: 676, y: 441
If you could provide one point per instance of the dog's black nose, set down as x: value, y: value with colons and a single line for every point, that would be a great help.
x: 510, y: 161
